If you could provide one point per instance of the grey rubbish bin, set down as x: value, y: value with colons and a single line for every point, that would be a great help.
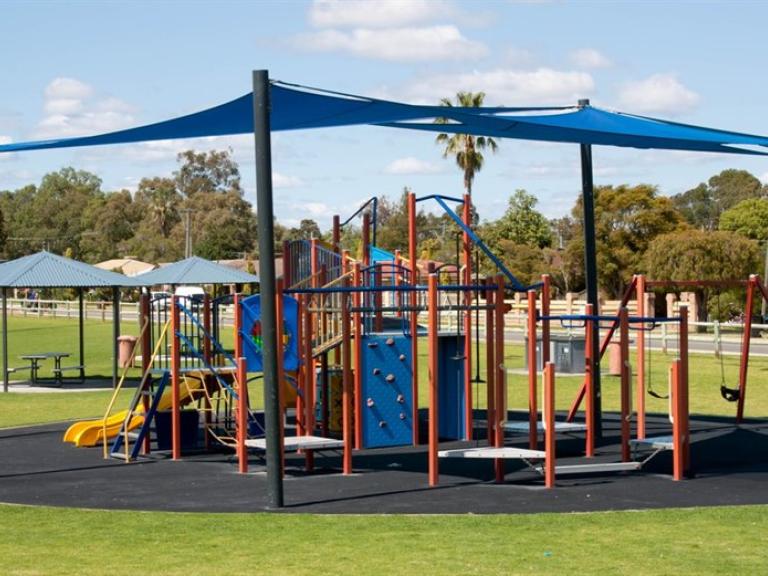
x: 125, y: 346
x: 566, y: 351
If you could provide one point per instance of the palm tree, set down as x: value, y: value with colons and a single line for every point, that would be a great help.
x: 465, y: 147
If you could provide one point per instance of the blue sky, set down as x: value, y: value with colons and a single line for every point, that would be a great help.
x: 75, y: 68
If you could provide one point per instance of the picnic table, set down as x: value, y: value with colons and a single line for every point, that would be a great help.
x: 36, y: 359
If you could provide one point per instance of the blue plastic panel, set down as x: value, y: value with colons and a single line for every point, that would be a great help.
x: 387, y: 399
x: 251, y: 333
x: 450, y: 396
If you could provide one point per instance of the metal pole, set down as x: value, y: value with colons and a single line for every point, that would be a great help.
x: 590, y: 265
x: 115, y: 332
x: 265, y: 215
x: 5, y: 340
x: 81, y: 342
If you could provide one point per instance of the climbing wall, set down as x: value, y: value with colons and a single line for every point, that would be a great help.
x: 386, y: 390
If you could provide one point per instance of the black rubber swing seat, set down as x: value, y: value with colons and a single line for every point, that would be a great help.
x: 730, y: 394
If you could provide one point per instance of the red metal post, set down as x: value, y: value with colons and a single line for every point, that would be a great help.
x: 414, y: 320
x: 301, y: 373
x: 589, y: 382
x: 501, y: 376
x: 175, y: 380
x: 625, y: 384
x: 745, y: 341
x: 533, y: 410
x: 678, y: 438
x: 336, y: 234
x: 432, y: 303
x: 347, y: 384
x: 468, y: 401
x: 242, y: 414
x: 358, y: 383
x: 309, y: 381
x: 549, y: 419
x: 683, y: 377
x: 640, y: 391
x: 490, y: 367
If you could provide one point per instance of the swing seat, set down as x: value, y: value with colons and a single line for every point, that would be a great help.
x: 729, y: 394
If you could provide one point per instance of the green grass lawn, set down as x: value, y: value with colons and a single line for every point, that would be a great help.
x: 676, y: 541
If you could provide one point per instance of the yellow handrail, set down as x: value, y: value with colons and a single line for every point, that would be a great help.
x: 119, y: 386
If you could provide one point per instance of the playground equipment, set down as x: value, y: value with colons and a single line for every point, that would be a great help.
x: 350, y: 343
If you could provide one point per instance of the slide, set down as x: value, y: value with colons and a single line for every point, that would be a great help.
x: 91, y: 432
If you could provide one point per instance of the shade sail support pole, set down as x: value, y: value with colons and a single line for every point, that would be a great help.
x: 590, y: 269
x: 265, y: 219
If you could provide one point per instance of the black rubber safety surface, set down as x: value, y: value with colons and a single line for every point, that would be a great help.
x: 730, y: 468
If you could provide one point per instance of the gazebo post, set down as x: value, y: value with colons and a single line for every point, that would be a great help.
x: 5, y: 339
x: 81, y: 316
x: 115, y: 331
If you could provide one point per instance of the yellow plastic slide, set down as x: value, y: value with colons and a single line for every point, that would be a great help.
x: 91, y: 432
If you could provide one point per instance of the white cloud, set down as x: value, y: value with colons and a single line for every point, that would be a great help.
x: 590, y: 58
x: 283, y: 181
x: 411, y: 165
x: 378, y: 14
x: 660, y: 93
x: 519, y: 57
x: 397, y: 44
x: 72, y: 109
x: 6, y: 155
x: 543, y: 86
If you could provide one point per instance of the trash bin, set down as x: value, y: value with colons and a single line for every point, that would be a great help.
x: 614, y: 359
x: 125, y: 346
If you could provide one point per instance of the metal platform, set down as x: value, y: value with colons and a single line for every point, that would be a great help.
x: 293, y: 443
x: 490, y: 452
x: 654, y: 442
x: 595, y: 468
x: 523, y: 427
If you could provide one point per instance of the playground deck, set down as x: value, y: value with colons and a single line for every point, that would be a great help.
x: 731, y: 466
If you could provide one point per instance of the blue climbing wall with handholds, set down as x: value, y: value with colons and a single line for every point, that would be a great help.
x: 450, y: 379
x: 387, y: 400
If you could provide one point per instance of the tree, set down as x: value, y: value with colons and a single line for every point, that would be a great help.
x: 627, y: 218
x: 703, y: 205
x: 213, y: 171
x: 158, y: 196
x: 521, y: 224
x: 704, y: 255
x: 307, y: 230
x: 111, y: 222
x: 466, y: 148
x: 748, y: 218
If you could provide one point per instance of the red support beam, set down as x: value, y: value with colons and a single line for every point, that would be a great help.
x: 490, y: 367
x: 433, y: 363
x: 347, y: 383
x: 589, y: 383
x: 625, y: 391
x: 745, y: 342
x: 301, y: 373
x: 640, y: 390
x: 533, y: 410
x: 309, y: 381
x: 683, y: 377
x: 546, y: 295
x: 366, y: 239
x: 549, y: 420
x: 242, y: 414
x: 357, y: 319
x: 501, y: 376
x: 678, y: 436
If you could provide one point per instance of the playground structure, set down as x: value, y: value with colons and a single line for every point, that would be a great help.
x: 350, y: 340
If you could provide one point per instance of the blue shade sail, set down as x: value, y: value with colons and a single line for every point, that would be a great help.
x: 297, y: 108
